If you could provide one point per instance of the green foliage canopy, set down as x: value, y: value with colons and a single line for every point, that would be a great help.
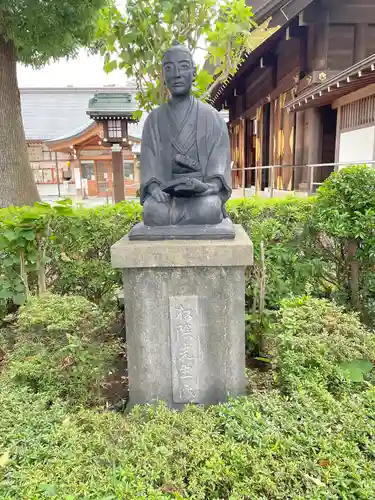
x: 345, y: 218
x: 346, y: 205
x: 61, y: 346
x: 136, y: 40
x: 47, y: 29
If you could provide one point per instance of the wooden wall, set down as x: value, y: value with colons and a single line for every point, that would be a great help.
x: 350, y: 11
x: 344, y: 33
x: 258, y: 87
x: 237, y: 143
x: 341, y: 41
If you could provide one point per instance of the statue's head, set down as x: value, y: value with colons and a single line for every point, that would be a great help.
x: 179, y: 70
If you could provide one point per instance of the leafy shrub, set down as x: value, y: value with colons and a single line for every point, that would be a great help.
x: 80, y: 257
x: 318, y: 345
x: 61, y: 249
x: 61, y: 347
x: 307, y: 247
x: 290, y: 257
x: 344, y: 219
x: 265, y: 446
x: 24, y: 238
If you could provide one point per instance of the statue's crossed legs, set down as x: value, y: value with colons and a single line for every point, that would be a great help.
x: 183, y: 211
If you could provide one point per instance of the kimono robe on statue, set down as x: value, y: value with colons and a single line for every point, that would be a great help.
x: 183, y: 141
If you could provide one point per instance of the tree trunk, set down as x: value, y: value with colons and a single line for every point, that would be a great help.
x: 355, y: 271
x: 17, y: 185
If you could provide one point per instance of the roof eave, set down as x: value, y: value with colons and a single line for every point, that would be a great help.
x: 54, y: 142
x: 105, y: 113
x: 342, y: 84
x: 272, y: 8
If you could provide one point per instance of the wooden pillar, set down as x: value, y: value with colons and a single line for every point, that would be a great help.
x: 338, y: 137
x: 118, y: 174
x: 360, y: 42
x: 300, y: 172
x: 313, y: 141
x: 274, y: 140
x: 287, y: 148
x: 242, y: 151
x: 321, y: 33
x: 258, y: 150
x: 75, y: 165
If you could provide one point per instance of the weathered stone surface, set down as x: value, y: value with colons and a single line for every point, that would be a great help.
x: 151, y: 348
x: 185, y: 319
x: 183, y: 253
x: 185, y: 335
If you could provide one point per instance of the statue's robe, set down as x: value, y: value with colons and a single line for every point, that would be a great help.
x: 190, y: 140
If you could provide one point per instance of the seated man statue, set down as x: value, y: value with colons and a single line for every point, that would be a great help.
x: 185, y: 155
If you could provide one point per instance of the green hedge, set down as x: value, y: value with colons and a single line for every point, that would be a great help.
x: 306, y: 244
x: 76, y: 247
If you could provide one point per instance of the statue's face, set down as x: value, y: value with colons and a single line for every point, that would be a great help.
x: 179, y: 72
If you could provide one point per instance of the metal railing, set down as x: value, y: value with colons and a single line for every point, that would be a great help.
x: 304, y: 183
x: 296, y: 180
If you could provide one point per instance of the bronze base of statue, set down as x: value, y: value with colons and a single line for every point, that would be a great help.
x: 223, y: 231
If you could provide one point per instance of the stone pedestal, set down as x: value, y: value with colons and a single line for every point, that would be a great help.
x: 184, y: 308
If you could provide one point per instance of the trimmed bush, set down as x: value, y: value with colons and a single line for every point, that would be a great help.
x: 318, y: 345
x: 291, y: 262
x: 80, y: 254
x: 64, y: 250
x: 323, y: 246
x: 61, y: 346
x: 264, y: 446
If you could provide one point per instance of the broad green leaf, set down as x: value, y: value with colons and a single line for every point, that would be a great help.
x: 29, y: 235
x: 49, y: 490
x: 42, y: 204
x: 137, y: 115
x: 4, y: 459
x: 356, y: 370
x: 10, y: 235
x: 19, y: 299
x: 5, y: 294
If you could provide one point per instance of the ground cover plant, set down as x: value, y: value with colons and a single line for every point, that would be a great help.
x: 307, y: 435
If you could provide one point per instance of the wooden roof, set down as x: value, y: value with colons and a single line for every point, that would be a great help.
x: 355, y: 77
x: 87, y: 137
x: 282, y: 12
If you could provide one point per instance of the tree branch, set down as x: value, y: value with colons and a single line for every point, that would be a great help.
x: 224, y: 75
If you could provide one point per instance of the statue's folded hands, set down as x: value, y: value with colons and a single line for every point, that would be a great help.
x: 158, y: 194
x: 213, y: 187
x: 186, y: 186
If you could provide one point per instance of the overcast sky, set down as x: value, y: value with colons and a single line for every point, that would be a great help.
x: 85, y: 71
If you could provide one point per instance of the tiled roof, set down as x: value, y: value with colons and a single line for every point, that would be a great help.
x: 76, y: 132
x: 49, y: 113
x: 112, y: 103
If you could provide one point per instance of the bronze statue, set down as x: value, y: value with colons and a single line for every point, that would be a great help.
x: 185, y: 162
